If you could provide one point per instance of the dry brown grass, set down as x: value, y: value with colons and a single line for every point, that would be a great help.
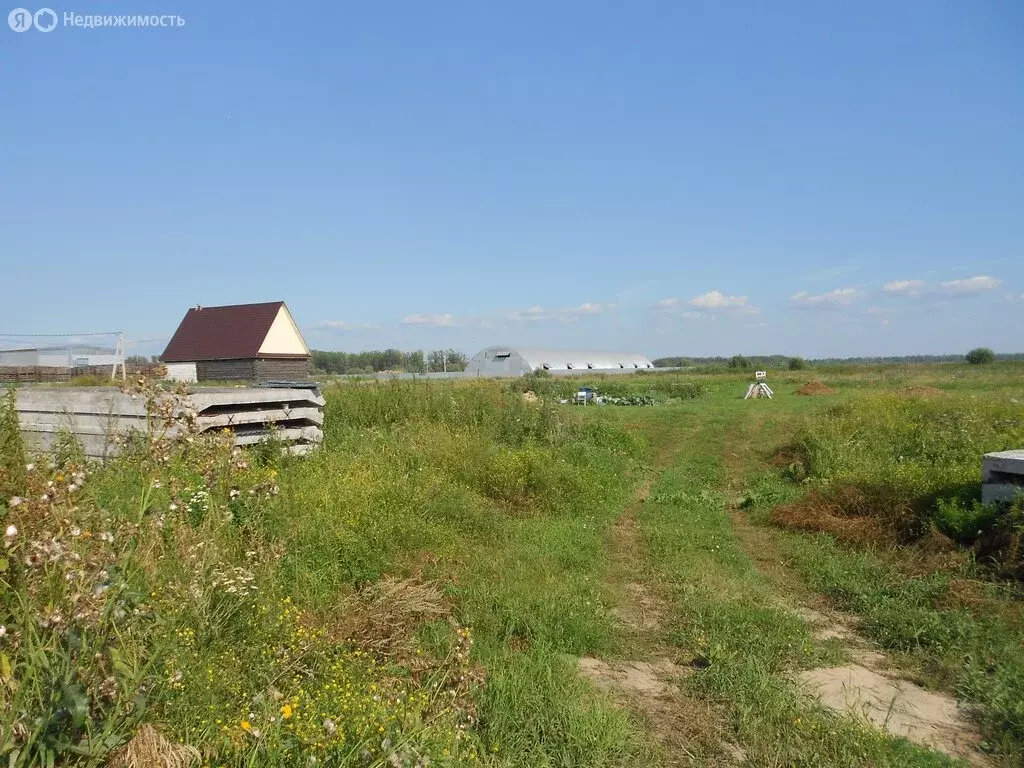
x: 149, y: 749
x: 925, y: 392
x: 854, y: 514
x: 384, y: 617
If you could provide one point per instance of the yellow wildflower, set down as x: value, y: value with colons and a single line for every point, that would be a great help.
x: 246, y: 726
x: 286, y: 711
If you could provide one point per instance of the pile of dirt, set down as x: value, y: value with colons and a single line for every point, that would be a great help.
x: 920, y: 392
x: 815, y: 388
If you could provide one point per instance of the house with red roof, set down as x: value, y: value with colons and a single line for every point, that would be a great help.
x: 239, y: 342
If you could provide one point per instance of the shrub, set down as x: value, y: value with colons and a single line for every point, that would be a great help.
x: 739, y: 361
x: 797, y: 364
x: 980, y: 356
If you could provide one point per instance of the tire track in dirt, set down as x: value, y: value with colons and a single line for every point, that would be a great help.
x: 870, y: 688
x: 647, y: 683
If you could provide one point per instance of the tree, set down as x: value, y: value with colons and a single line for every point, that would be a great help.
x: 446, y: 359
x: 797, y: 363
x: 739, y: 361
x: 980, y: 356
x: 415, y: 362
x: 141, y: 360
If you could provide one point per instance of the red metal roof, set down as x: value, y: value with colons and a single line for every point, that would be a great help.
x: 222, y: 333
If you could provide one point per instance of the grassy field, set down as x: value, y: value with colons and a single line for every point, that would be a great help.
x: 419, y: 591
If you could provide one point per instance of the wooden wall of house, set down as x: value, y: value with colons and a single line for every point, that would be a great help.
x: 282, y: 369
x: 226, y: 370
x: 272, y: 369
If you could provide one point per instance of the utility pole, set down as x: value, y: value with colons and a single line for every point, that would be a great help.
x: 119, y: 358
x: 444, y: 360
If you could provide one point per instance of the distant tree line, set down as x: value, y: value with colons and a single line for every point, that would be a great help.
x: 388, y: 360
x: 976, y: 356
x: 141, y: 360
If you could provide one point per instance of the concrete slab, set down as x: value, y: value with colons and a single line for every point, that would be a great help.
x: 97, y: 415
x: 997, y: 492
x: 1002, y: 463
x: 1002, y: 476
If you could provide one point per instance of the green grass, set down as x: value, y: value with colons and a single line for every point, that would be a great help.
x: 945, y: 615
x: 239, y: 620
x: 728, y: 613
x: 422, y: 586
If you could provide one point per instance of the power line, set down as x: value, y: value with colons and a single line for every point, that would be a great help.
x: 55, y: 335
x: 148, y: 341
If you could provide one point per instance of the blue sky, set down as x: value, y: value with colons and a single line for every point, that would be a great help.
x: 824, y: 179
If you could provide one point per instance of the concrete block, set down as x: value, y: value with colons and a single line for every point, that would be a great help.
x: 97, y: 415
x: 1002, y: 476
x: 994, y: 465
x: 993, y: 492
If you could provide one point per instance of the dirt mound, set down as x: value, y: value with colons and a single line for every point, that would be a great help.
x: 815, y: 388
x: 920, y: 392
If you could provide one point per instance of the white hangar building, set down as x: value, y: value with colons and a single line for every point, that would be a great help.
x: 517, y: 361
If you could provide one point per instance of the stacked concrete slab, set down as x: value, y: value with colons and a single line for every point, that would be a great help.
x: 1002, y: 476
x: 96, y: 416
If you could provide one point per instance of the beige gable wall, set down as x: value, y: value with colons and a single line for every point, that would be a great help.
x: 284, y: 338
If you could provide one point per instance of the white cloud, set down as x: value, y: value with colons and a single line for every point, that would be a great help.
x: 438, y: 320
x: 671, y: 301
x: 840, y: 297
x: 911, y: 288
x: 970, y: 286
x: 344, y: 325
x: 588, y: 308
x: 537, y: 313
x: 718, y: 300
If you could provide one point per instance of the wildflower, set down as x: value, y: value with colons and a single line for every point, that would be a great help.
x: 173, y: 507
x: 76, y: 531
x: 246, y: 726
x: 3, y: 631
x: 329, y: 725
x: 29, y: 467
x: 286, y: 711
x: 156, y: 483
x: 14, y: 501
x: 11, y: 532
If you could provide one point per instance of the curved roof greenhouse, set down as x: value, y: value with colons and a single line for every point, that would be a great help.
x: 517, y: 361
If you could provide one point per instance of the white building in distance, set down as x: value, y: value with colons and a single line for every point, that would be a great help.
x: 518, y: 361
